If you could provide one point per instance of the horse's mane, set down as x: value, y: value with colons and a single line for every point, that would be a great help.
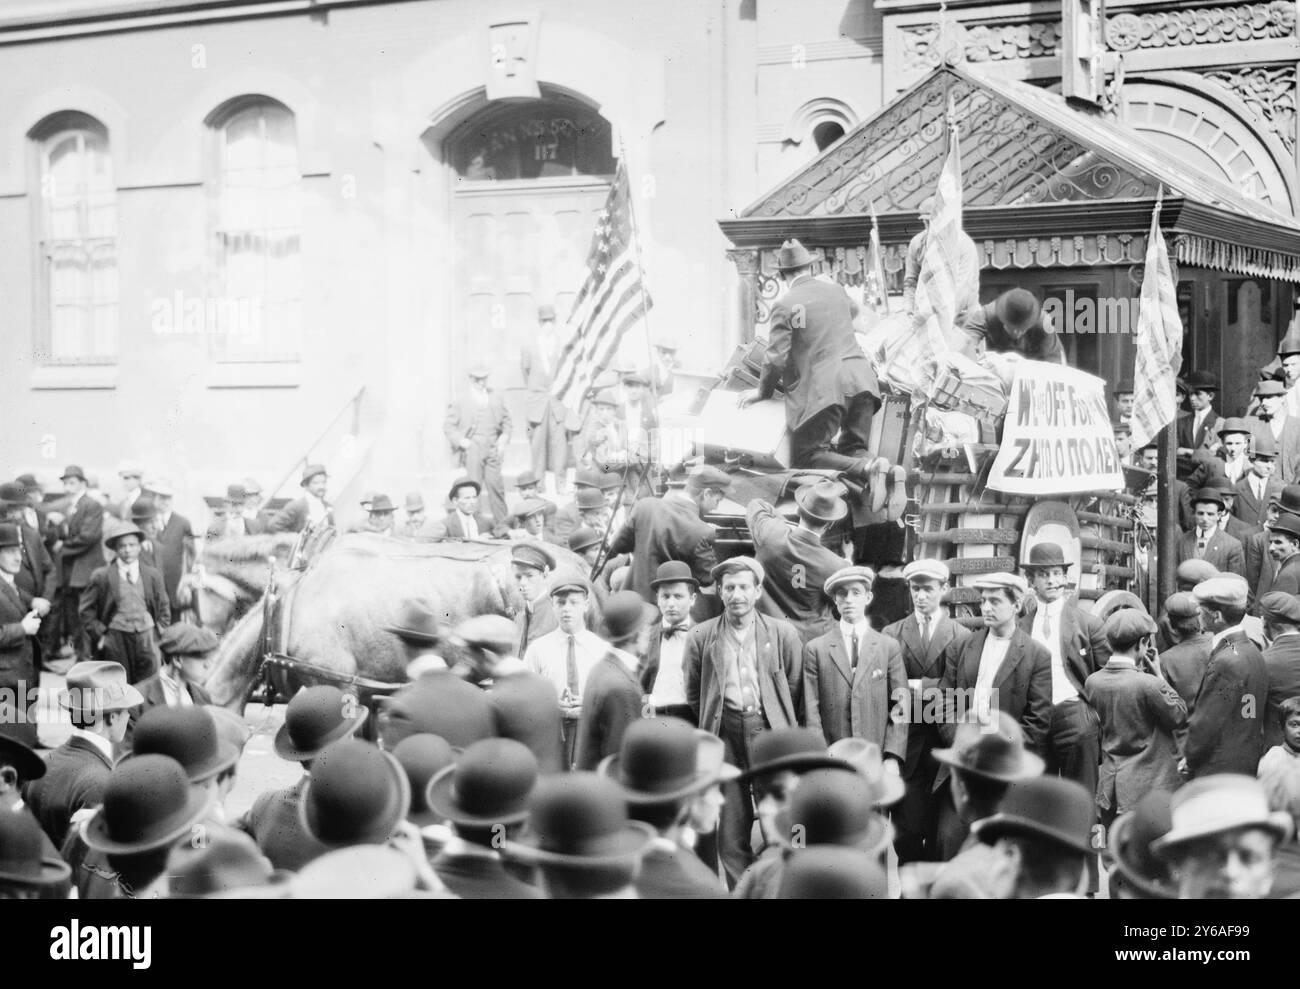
x: 247, y: 548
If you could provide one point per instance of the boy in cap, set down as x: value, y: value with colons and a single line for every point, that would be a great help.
x: 124, y: 608
x: 1140, y: 715
x: 1281, y: 613
x: 1235, y: 436
x: 1225, y: 730
x: 852, y: 675
x: 662, y: 674
x: 532, y: 564
x: 478, y: 428
x: 1224, y: 839
x: 1041, y: 838
x: 1208, y: 541
x: 1182, y: 665
x: 798, y: 564
x: 922, y: 637
x: 309, y: 511
x: 611, y: 695
x: 79, y: 543
x: 98, y: 699
x: 186, y: 657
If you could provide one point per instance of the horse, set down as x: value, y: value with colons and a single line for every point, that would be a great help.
x: 333, y: 614
x: 232, y: 576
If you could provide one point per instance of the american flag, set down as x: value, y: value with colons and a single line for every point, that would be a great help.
x: 875, y: 292
x: 1159, y: 341
x: 612, y: 300
x: 935, y: 313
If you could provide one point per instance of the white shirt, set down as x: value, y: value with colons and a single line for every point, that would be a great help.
x: 548, y: 655
x: 163, y: 520
x: 174, y: 690
x: 316, y: 509
x: 98, y: 741
x: 1256, y: 484
x: 129, y: 571
x: 8, y: 578
x: 468, y: 525
x: 1198, y: 419
x: 995, y: 651
x: 846, y: 633
x: 1235, y: 469
x: 670, y: 681
x: 1062, y: 688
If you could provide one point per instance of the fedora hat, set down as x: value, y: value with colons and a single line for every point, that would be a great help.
x: 1235, y: 424
x: 355, y: 795
x: 382, y: 503
x: 868, y: 761
x: 463, y: 482
x: 422, y: 757
x: 104, y: 683
x: 580, y: 819
x: 991, y: 750
x: 115, y: 530
x: 1270, y: 387
x: 417, y: 622
x: 1202, y: 381
x: 227, y: 865
x: 589, y: 499
x: 13, y: 495
x: 310, y: 471
x: 489, y: 785
x: 1059, y: 810
x: 1288, y: 499
x: 10, y: 535
x: 16, y: 753
x: 793, y: 255
x: 821, y: 501
x: 186, y: 734
x: 1130, y: 847
x: 161, y: 488
x: 532, y: 554
x: 72, y: 470
x: 148, y: 803
x: 832, y: 807
x: 795, y: 749
x: 832, y: 872
x: 584, y: 537
x: 23, y: 860
x: 414, y: 502
x: 1214, y: 804
x: 1286, y: 522
x: 184, y: 639
x: 660, y: 762
x: 316, y: 718
x: 1045, y: 554
x: 1017, y: 310
x: 674, y: 572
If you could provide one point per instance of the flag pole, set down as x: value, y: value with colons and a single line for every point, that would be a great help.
x: 645, y: 313
x: 1166, y: 493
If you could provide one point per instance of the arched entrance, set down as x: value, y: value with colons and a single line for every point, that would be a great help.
x: 528, y: 179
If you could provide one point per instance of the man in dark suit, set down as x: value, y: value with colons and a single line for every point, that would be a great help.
x: 485, y: 797
x: 1281, y: 613
x: 611, y: 697
x: 315, y: 719
x: 1198, y: 431
x: 923, y: 637
x: 853, y: 676
x: 1148, y: 458
x: 546, y: 414
x: 1260, y: 485
x: 464, y: 521
x: 662, y: 673
x: 672, y: 528
x: 37, y: 577
x: 532, y: 565
x: 80, y: 528
x: 1228, y: 522
x: 478, y: 428
x: 98, y: 699
x: 19, y: 625
x: 814, y: 356
x: 744, y: 673
x: 1208, y: 542
x: 1284, y: 549
x: 186, y: 655
x: 1001, y: 667
x: 797, y: 563
x: 174, y: 543
x: 1182, y: 664
x: 309, y: 510
x: 1225, y: 732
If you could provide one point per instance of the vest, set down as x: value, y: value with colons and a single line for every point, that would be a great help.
x: 132, y: 614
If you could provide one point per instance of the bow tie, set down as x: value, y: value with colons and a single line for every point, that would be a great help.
x: 671, y: 630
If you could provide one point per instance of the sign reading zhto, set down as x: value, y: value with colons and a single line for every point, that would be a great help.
x: 1056, y: 438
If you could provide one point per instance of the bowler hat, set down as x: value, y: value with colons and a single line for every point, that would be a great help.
x: 625, y: 613
x: 1130, y: 846
x: 589, y: 499
x: 1286, y: 522
x: 795, y: 749
x: 821, y: 501
x: 72, y: 470
x: 1279, y: 607
x: 382, y: 503
x: 1270, y: 387
x: 115, y: 530
x: 1182, y: 604
x: 1192, y: 572
x: 1262, y: 444
x: 23, y: 860
x: 414, y: 502
x: 494, y: 632
x: 992, y: 749
x: 545, y: 311
x: 16, y: 753
x: 10, y: 535
x: 849, y: 575
x: 1202, y: 381
x: 143, y: 510
x: 532, y: 554
x: 527, y: 479
x: 227, y: 865
x: 1211, y: 805
x: 868, y: 761
x: 235, y: 492
x: 184, y: 639
x: 423, y: 756
x: 1058, y: 810
x: 1125, y: 387
x: 29, y: 482
x: 1227, y: 590
x: 567, y: 580
x: 356, y: 795
x: 463, y: 482
x: 315, y: 718
x: 148, y: 803
x: 1209, y: 496
x: 95, y: 686
x: 587, y: 478
x: 310, y: 471
x: 832, y: 872
x: 584, y: 537
x: 1290, y: 344
x: 490, y: 784
x: 1288, y: 499
x: 674, y: 572
x: 609, y: 480
x: 13, y: 495
x: 187, y: 735
x: 1045, y: 554
x: 417, y: 622
x: 1235, y: 424
x: 442, y: 704
x: 739, y: 564
x: 832, y: 807
x: 793, y: 255
x: 660, y: 762
x: 580, y: 819
x: 1017, y: 310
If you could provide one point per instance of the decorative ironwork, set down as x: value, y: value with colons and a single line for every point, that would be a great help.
x: 1201, y: 26
x: 1269, y: 91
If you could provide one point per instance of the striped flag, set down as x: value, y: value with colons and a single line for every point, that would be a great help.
x: 1159, y: 341
x: 612, y: 300
x: 935, y: 315
x: 875, y: 292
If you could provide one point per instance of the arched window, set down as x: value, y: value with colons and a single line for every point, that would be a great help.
x: 77, y: 231
x: 257, y: 238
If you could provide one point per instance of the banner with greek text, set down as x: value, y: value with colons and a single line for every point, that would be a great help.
x: 1056, y: 438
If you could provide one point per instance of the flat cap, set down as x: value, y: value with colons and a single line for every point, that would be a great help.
x: 605, y: 397
x: 183, y: 639
x: 495, y: 632
x: 1182, y: 604
x: 532, y: 555
x: 926, y: 570
x: 1278, y: 606
x: 709, y: 477
x: 1128, y: 625
x: 1227, y: 590
x: 569, y: 580
x: 1194, y: 571
x: 1014, y: 583
x: 847, y: 575
x: 736, y: 564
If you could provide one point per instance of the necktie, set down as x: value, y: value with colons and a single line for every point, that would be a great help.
x: 1047, y: 624
x: 571, y: 668
x: 671, y: 630
x: 1201, y: 542
x: 925, y: 630
x: 854, y: 657
x: 528, y: 620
